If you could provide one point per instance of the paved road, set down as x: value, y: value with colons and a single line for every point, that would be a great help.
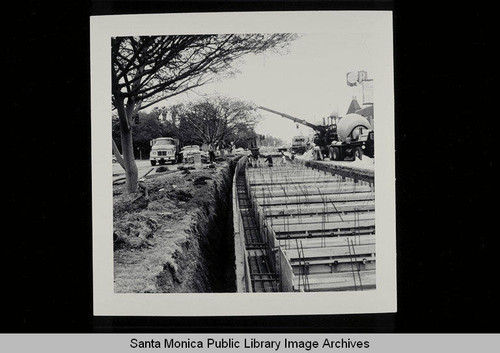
x: 142, y: 165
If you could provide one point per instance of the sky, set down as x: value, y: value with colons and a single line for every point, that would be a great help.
x: 308, y: 81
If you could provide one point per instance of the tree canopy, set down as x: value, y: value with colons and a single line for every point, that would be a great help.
x: 149, y: 69
x: 214, y: 121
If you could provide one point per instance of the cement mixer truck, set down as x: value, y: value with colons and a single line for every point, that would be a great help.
x: 355, y: 138
x: 352, y: 137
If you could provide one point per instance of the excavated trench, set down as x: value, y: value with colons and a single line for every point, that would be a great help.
x: 180, y: 239
x: 207, y: 256
x: 214, y: 229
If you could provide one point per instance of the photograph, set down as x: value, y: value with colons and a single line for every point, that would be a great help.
x: 243, y: 161
x: 206, y: 175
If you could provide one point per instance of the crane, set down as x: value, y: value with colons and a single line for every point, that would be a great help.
x: 318, y: 128
x: 324, y: 134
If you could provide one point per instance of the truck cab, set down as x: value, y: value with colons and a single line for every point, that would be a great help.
x: 299, y: 144
x: 164, y: 149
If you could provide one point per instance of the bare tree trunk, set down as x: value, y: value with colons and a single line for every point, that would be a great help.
x: 130, y: 167
x: 131, y: 171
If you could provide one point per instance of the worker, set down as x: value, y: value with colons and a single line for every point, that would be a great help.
x: 269, y: 160
x: 222, y: 149
x: 211, y: 153
x: 317, y: 153
x: 250, y: 160
x: 256, y: 162
x: 283, y: 157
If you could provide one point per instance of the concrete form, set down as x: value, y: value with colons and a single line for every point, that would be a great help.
x: 255, y: 266
x: 302, y: 227
x: 320, y: 226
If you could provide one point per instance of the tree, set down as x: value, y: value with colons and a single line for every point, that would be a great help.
x: 214, y: 120
x: 147, y: 70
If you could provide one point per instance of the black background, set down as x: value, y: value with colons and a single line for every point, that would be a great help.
x: 446, y: 121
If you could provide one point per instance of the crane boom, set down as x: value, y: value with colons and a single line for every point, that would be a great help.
x: 294, y: 119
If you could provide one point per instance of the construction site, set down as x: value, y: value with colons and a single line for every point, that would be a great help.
x: 307, y: 223
x: 300, y: 218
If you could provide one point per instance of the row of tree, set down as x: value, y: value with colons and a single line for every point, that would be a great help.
x: 150, y: 69
x: 219, y: 121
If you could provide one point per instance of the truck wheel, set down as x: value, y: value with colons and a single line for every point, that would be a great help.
x: 330, y: 153
x: 358, y: 153
x: 153, y: 163
x: 336, y: 154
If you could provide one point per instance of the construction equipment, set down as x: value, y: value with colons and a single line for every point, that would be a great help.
x: 193, y: 154
x: 324, y: 133
x: 296, y: 120
x: 300, y: 144
x: 351, y: 137
x: 253, y: 144
x: 355, y: 138
x: 164, y: 149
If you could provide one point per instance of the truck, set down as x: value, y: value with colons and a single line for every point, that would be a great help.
x: 352, y: 137
x: 189, y: 154
x: 299, y: 144
x: 164, y: 149
x: 355, y: 138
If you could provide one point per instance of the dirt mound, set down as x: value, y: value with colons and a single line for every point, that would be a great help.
x: 164, y: 242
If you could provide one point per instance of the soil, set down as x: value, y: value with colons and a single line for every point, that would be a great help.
x: 178, y: 237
